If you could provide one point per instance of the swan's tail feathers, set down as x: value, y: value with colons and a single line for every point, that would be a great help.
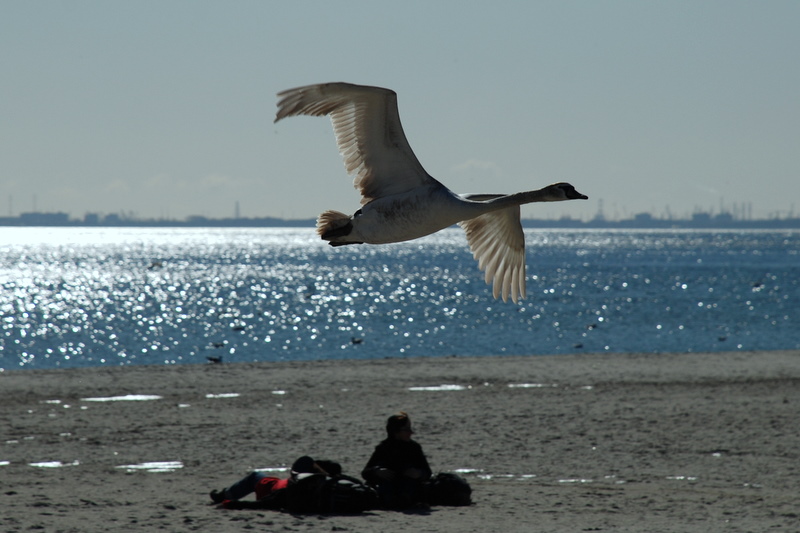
x: 332, y: 225
x: 498, y: 243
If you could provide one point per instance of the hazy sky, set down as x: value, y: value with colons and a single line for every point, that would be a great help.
x: 165, y: 108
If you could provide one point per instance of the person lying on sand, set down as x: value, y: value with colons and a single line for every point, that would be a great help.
x: 264, y: 485
x: 314, y: 486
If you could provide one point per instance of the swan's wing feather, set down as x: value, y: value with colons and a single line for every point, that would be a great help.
x: 368, y: 132
x: 498, y: 243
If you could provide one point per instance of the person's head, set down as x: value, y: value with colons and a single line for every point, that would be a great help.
x: 308, y: 465
x: 399, y: 426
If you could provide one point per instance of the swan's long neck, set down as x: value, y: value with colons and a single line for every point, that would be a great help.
x: 519, y: 198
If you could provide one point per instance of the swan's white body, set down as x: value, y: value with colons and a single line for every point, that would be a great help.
x: 400, y: 201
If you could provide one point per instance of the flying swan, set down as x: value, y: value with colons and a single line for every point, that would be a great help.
x: 399, y: 200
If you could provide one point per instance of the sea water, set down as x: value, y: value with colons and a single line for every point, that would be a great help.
x: 75, y: 297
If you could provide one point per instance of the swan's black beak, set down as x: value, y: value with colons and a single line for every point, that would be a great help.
x: 572, y: 194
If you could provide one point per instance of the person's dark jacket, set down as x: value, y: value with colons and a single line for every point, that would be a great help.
x: 396, y: 455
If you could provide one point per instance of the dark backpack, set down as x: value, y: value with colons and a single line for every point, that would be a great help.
x: 318, y: 493
x: 447, y: 489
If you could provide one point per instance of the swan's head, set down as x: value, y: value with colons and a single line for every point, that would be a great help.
x: 564, y: 191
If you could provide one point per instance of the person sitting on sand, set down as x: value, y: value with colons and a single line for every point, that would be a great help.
x: 398, y: 468
x: 264, y: 485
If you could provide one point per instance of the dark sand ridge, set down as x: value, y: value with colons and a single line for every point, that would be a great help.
x: 693, y: 442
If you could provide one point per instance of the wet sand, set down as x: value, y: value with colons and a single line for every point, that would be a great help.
x: 690, y: 442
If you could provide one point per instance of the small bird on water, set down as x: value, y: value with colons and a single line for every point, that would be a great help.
x: 400, y: 201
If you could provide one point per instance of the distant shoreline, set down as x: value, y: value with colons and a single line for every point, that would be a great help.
x: 643, y: 221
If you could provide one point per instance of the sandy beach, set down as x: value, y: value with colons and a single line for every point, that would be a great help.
x: 661, y: 442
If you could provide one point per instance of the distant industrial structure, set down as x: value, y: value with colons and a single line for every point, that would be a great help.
x: 648, y: 221
x: 113, y: 219
x: 723, y: 220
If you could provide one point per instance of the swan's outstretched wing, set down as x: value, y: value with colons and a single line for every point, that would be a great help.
x: 368, y: 132
x: 498, y: 243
